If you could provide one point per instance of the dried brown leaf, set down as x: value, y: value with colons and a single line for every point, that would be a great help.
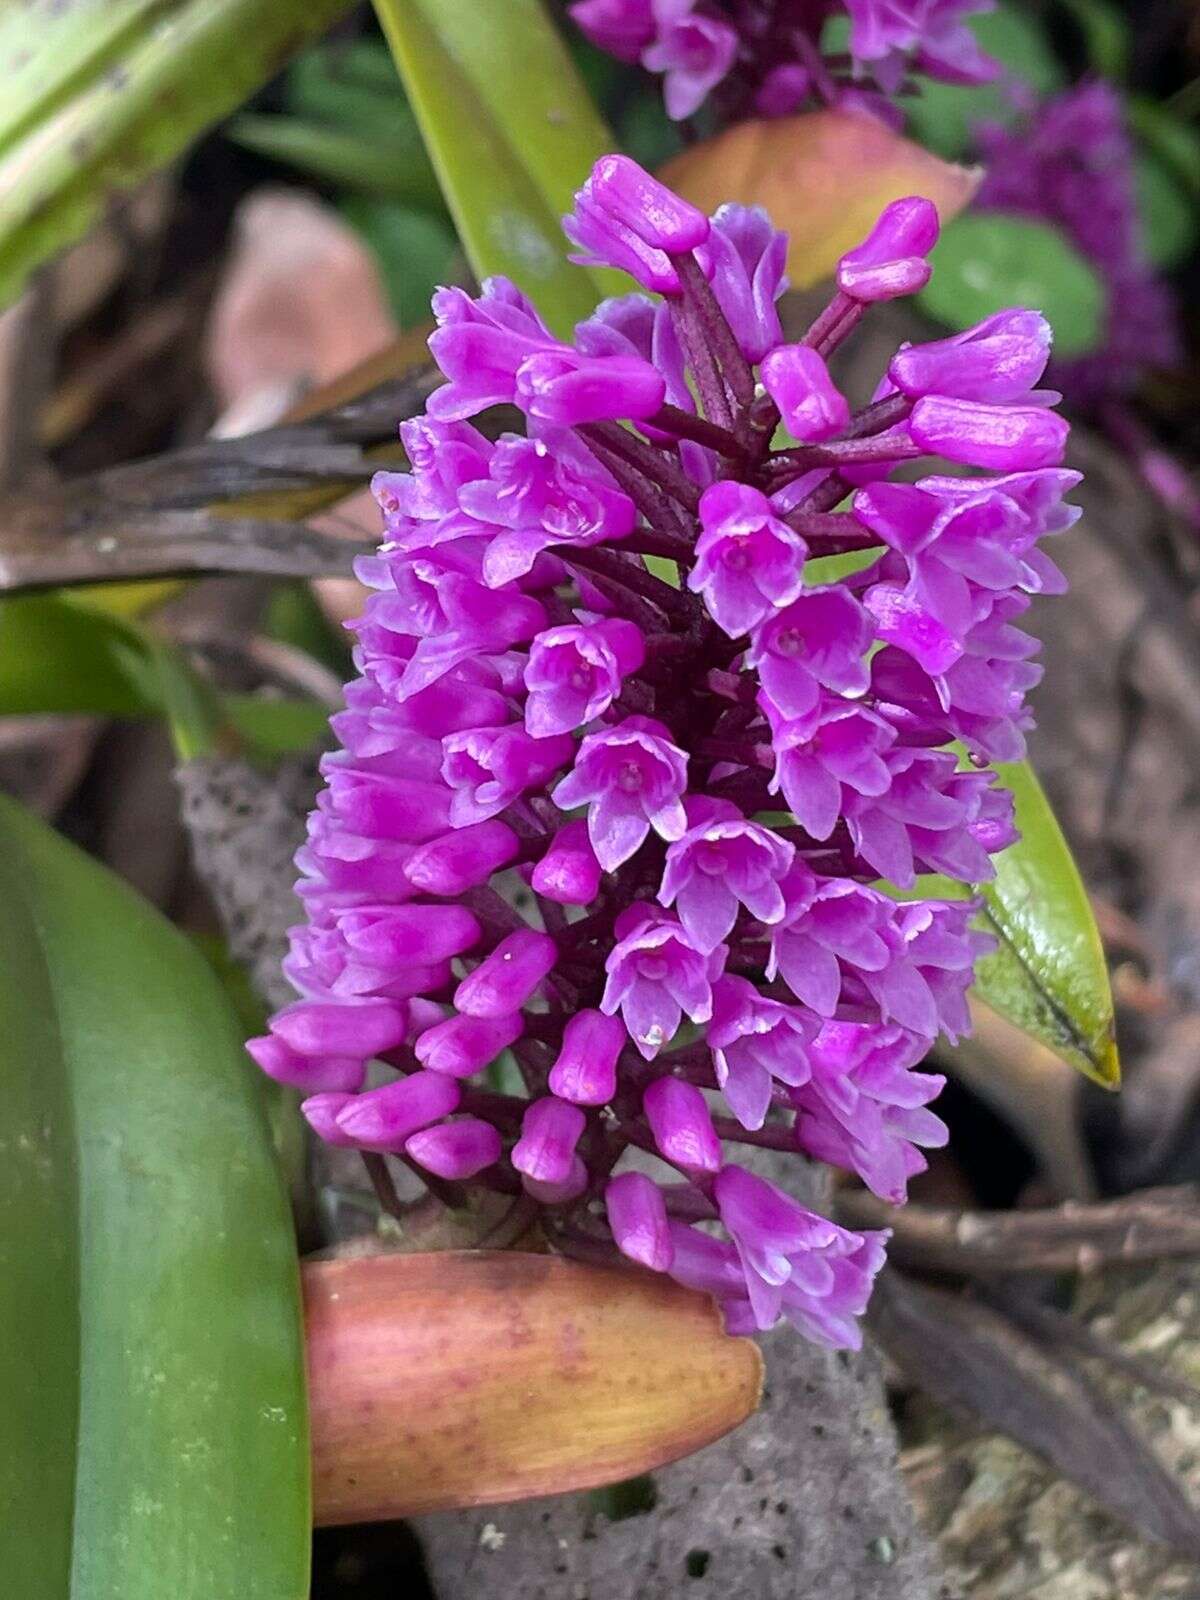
x: 824, y: 177
x: 971, y: 1357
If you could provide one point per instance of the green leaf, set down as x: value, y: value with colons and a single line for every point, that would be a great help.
x: 99, y: 93
x: 153, y: 1428
x: 1105, y: 34
x: 294, y: 617
x: 380, y: 166
x: 512, y: 133
x: 1175, y: 142
x: 942, y: 115
x: 1167, y: 213
x: 60, y: 656
x: 647, y: 132
x: 413, y: 250
x: 985, y: 261
x: 1048, y: 974
x: 351, y: 83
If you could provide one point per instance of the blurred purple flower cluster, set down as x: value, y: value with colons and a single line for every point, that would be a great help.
x: 770, y: 51
x: 595, y: 667
x: 1070, y: 162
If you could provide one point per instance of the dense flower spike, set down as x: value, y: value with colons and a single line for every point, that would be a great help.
x: 552, y: 829
x: 1071, y: 163
x: 737, y: 46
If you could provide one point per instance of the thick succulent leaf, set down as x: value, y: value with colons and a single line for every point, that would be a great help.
x: 153, y: 1430
x: 342, y: 156
x: 824, y: 177
x: 471, y: 1377
x: 512, y: 133
x: 99, y: 93
x: 1105, y: 32
x: 225, y: 505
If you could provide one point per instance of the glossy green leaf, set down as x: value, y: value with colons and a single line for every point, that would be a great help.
x: 942, y: 116
x: 985, y: 261
x: 1048, y: 974
x: 153, y: 1426
x: 1168, y: 214
x: 512, y: 133
x: 99, y: 93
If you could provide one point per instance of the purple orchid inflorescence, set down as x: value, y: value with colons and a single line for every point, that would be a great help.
x: 623, y: 772
x: 1070, y: 162
x: 769, y: 57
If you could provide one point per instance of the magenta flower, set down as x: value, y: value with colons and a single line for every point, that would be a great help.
x: 569, y: 872
x: 819, y: 641
x: 682, y: 1126
x: 625, y: 218
x: 456, y: 1150
x: 718, y: 867
x: 748, y: 561
x: 756, y: 1043
x: 546, y: 734
x: 632, y: 778
x: 863, y: 1107
x: 796, y: 1262
x: 622, y: 27
x: 810, y: 404
x: 656, y: 975
x: 837, y: 748
x: 486, y: 769
x: 533, y: 498
x: 765, y: 55
x: 693, y: 51
x: 586, y: 1069
x: 891, y: 260
x: 575, y: 673
x: 637, y: 1215
x: 550, y: 1131
x: 886, y: 33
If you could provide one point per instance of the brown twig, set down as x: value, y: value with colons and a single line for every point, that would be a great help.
x: 1150, y: 1226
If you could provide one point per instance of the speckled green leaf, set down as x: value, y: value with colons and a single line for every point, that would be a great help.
x: 153, y: 1422
x: 96, y: 94
x: 512, y: 133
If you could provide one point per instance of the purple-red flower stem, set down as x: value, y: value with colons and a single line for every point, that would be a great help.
x: 839, y: 318
x: 685, y: 425
x: 609, y: 567
x: 735, y: 369
x: 714, y: 396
